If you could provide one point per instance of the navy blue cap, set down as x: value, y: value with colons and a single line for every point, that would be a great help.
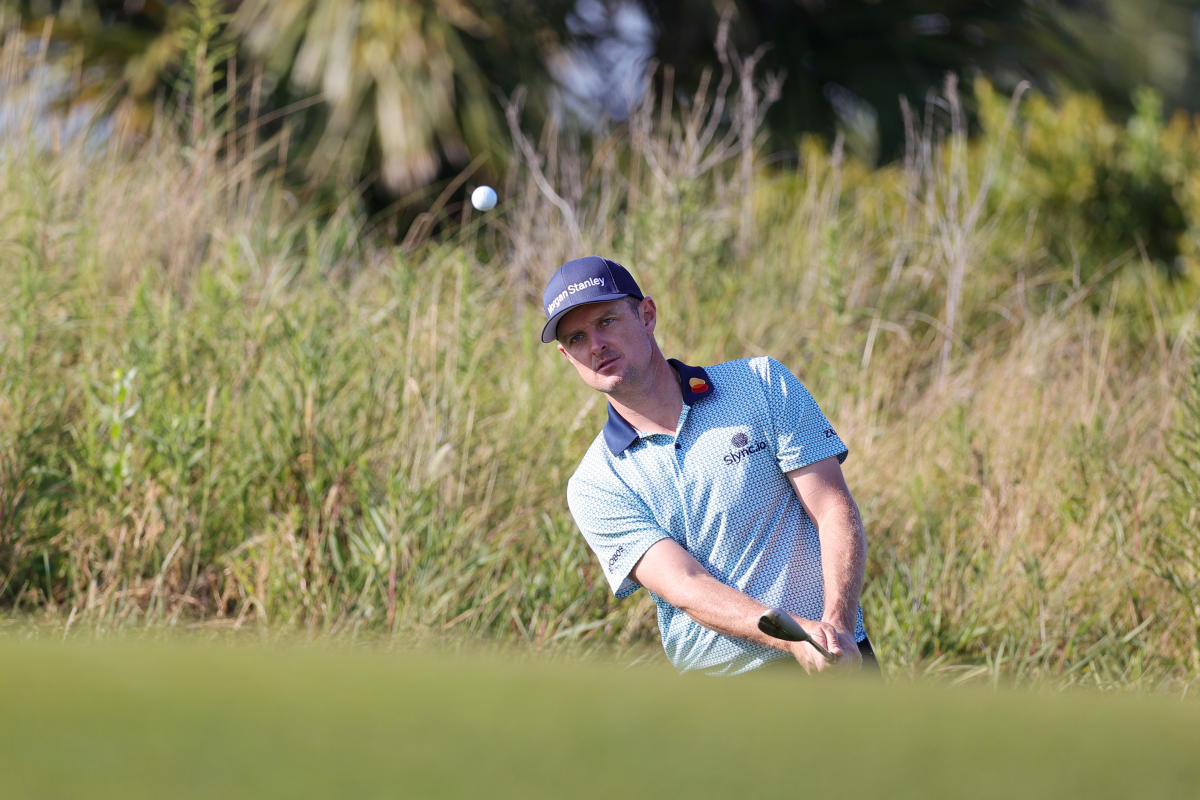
x: 590, y: 279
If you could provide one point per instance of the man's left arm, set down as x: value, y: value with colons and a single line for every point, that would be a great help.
x: 822, y: 489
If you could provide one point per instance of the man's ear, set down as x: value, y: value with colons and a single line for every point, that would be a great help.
x: 649, y: 313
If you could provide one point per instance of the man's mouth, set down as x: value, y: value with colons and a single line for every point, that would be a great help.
x: 606, y: 362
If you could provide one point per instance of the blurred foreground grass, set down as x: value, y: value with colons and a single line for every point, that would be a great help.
x: 201, y: 718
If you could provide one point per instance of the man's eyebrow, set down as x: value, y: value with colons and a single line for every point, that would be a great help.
x: 565, y: 333
x: 595, y: 317
x: 579, y: 326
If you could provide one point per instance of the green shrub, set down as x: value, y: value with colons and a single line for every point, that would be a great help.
x: 1105, y: 190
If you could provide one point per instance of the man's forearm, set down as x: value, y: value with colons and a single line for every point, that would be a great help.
x: 822, y: 489
x: 674, y: 575
x: 722, y: 608
x: 843, y: 562
x: 726, y: 610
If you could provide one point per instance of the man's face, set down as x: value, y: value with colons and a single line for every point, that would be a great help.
x: 609, y: 344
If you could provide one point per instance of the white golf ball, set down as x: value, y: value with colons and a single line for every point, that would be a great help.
x: 484, y: 198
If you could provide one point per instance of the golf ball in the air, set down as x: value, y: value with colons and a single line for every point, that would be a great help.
x: 484, y: 198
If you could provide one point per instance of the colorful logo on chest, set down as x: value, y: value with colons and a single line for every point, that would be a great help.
x: 697, y: 385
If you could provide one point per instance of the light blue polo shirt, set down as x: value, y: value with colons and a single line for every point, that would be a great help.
x: 718, y: 488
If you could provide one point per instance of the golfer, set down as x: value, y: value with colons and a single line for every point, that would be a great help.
x: 718, y: 489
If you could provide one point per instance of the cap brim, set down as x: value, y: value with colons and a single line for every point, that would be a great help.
x: 550, y: 331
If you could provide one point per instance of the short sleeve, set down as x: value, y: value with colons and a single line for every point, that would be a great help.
x: 617, y: 526
x: 802, y: 433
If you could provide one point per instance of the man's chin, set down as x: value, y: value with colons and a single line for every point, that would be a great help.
x: 606, y: 384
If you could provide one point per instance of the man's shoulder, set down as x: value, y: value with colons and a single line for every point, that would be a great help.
x: 750, y: 368
x: 599, y: 481
x: 597, y: 462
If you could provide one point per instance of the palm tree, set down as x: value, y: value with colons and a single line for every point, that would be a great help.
x: 412, y: 86
x: 393, y: 92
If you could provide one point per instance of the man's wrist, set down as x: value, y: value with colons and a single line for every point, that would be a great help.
x: 842, y: 623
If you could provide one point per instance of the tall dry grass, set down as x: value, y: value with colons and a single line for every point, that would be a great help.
x: 222, y: 406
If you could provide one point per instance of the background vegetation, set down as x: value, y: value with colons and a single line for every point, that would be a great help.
x: 397, y: 100
x: 225, y: 402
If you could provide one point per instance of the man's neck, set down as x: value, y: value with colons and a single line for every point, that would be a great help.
x: 655, y: 406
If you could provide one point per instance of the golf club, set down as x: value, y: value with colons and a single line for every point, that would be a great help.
x: 780, y: 624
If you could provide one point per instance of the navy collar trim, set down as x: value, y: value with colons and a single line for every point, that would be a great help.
x: 694, y: 383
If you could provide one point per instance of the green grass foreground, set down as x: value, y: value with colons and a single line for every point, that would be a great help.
x: 199, y: 719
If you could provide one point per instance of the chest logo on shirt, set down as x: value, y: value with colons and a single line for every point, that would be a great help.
x: 742, y: 448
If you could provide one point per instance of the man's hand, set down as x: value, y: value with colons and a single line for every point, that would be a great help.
x: 840, y: 643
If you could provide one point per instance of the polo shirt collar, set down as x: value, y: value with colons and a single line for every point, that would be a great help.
x: 694, y: 383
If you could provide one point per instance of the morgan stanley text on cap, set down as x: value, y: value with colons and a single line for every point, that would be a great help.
x: 590, y: 279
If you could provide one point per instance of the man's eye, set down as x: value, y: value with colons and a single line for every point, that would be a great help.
x: 606, y: 321
x: 574, y: 339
